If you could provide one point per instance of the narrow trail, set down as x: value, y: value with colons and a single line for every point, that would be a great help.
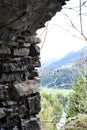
x: 62, y: 122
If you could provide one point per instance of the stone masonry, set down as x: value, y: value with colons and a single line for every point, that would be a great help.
x: 19, y: 59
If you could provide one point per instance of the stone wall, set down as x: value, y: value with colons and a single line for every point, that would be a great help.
x: 19, y: 84
x: 19, y: 59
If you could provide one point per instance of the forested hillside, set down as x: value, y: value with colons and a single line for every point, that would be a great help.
x: 74, y: 56
x: 65, y: 72
x: 62, y: 78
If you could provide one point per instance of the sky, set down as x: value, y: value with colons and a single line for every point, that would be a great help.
x: 59, y: 37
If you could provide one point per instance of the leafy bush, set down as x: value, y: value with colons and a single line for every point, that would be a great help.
x: 78, y: 99
x: 78, y: 122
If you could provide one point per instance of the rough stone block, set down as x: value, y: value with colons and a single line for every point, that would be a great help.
x: 36, y: 62
x: 33, y: 73
x: 32, y: 124
x: 3, y: 92
x: 12, y: 123
x: 12, y: 67
x: 2, y: 113
x: 34, y: 50
x: 5, y: 50
x: 34, y: 40
x: 34, y: 104
x: 5, y: 78
x: 19, y: 64
x: 21, y: 52
x: 22, y: 110
x: 26, y: 88
x: 19, y: 44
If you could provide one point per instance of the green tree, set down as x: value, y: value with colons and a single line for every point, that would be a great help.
x: 78, y: 98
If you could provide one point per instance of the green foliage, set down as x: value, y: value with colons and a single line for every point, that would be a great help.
x: 51, y: 110
x: 78, y: 99
x: 77, y: 114
x: 78, y: 122
x: 62, y: 99
x: 63, y: 92
x: 63, y: 76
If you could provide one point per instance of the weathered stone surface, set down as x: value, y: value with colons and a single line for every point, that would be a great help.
x: 18, y: 45
x: 2, y: 113
x: 32, y: 124
x: 5, y: 50
x: 34, y: 50
x: 34, y: 40
x: 21, y: 52
x: 18, y: 64
x: 3, y: 93
x: 26, y: 88
x: 22, y: 110
x: 5, y: 78
x: 19, y: 56
x: 13, y: 122
x: 16, y: 76
x: 27, y: 15
x: 34, y: 104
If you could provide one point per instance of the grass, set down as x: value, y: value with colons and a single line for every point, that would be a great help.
x: 63, y: 92
x: 51, y: 106
x: 51, y: 109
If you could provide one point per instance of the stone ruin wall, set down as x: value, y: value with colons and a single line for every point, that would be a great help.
x: 19, y: 59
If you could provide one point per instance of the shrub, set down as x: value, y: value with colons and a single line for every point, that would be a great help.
x: 78, y: 99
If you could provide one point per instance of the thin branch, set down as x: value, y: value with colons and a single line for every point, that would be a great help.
x: 67, y: 30
x: 72, y: 24
x: 82, y: 4
x: 80, y: 10
x: 46, y: 30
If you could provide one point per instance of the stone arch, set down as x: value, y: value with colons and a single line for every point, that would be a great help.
x: 19, y: 57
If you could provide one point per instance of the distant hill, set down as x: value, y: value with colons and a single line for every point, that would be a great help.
x: 63, y: 73
x: 67, y: 59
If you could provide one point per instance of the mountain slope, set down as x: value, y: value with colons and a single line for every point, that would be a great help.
x: 63, y: 73
x: 69, y: 58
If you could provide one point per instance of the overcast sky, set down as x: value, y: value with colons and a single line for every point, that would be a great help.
x: 58, y: 36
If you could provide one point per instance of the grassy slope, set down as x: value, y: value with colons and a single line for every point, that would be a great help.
x: 51, y: 108
x: 63, y: 92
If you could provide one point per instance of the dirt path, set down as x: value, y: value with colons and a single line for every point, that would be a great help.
x: 62, y: 122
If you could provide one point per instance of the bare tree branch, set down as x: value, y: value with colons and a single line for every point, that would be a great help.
x: 81, y: 32
x: 80, y: 10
